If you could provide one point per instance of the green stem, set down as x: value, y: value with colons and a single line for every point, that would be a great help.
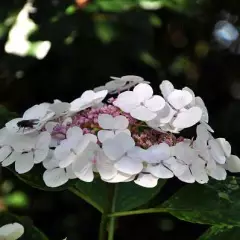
x: 111, y: 226
x: 140, y: 211
x: 102, y: 228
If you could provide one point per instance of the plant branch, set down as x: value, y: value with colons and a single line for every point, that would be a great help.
x: 140, y: 211
x: 111, y: 227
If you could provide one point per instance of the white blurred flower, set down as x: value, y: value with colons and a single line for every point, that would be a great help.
x: 140, y: 103
x: 84, y: 155
x: 121, y: 84
x: 39, y: 113
x: 54, y: 176
x: 112, y: 126
x: 88, y: 99
x: 146, y: 180
x: 198, y: 102
x: 11, y: 231
x: 120, y: 149
x: 215, y: 152
x: 24, y: 150
x: 156, y: 156
x: 192, y: 166
x: 233, y: 164
x: 59, y: 108
x: 93, y: 159
x: 186, y: 113
x: 120, y: 177
x: 74, y: 145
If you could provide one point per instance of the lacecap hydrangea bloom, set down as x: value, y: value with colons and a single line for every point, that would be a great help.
x: 134, y: 136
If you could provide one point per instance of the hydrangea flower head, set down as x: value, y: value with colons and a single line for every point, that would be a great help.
x: 134, y: 136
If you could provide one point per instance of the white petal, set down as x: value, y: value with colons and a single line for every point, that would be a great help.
x: 136, y: 152
x: 187, y: 177
x: 55, y: 177
x: 65, y: 156
x: 120, y: 122
x: 184, y: 152
x: 99, y: 96
x: 24, y: 163
x: 175, y: 166
x: 126, y: 131
x: 103, y: 135
x: 157, y: 153
x: 155, y: 103
x: 225, y: 146
x: 233, y: 164
x: 5, y: 151
x: 11, y: 159
x: 179, y: 98
x: 49, y: 126
x: 146, y: 180
x: 199, y: 102
x: 128, y: 165
x: 202, y: 132
x: 69, y: 172
x: 23, y: 143
x: 192, y: 103
x: 12, y: 126
x: 160, y: 171
x: 86, y: 174
x: 11, y: 231
x: 187, y: 118
x: 74, y: 132
x: 43, y: 140
x: 216, y: 151
x: 106, y: 121
x: 40, y: 155
x: 143, y: 92
x: 120, y: 177
x: 199, y: 172
x: 218, y: 173
x: 126, y: 101
x: 132, y: 78
x: 166, y: 118
x: 166, y: 88
x: 82, y: 161
x: 114, y: 85
x: 67, y: 121
x: 105, y: 167
x: 142, y: 113
x: 36, y: 111
x: 50, y: 162
x: 60, y: 108
x: 116, y: 147
x: 90, y: 137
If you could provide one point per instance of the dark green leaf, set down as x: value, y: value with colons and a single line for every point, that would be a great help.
x: 30, y: 232
x: 221, y: 233
x: 95, y: 193
x: 216, y: 203
x: 130, y: 195
x: 34, y: 178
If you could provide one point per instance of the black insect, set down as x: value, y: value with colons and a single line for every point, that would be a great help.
x: 27, y: 123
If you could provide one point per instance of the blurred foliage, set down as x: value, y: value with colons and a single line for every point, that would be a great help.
x: 92, y: 40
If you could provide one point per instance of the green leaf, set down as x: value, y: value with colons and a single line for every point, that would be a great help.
x: 30, y: 232
x: 221, y: 233
x: 34, y: 178
x: 131, y: 195
x: 216, y: 203
x: 95, y: 193
x: 116, y: 6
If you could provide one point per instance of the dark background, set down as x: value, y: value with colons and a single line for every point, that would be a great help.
x: 93, y: 40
